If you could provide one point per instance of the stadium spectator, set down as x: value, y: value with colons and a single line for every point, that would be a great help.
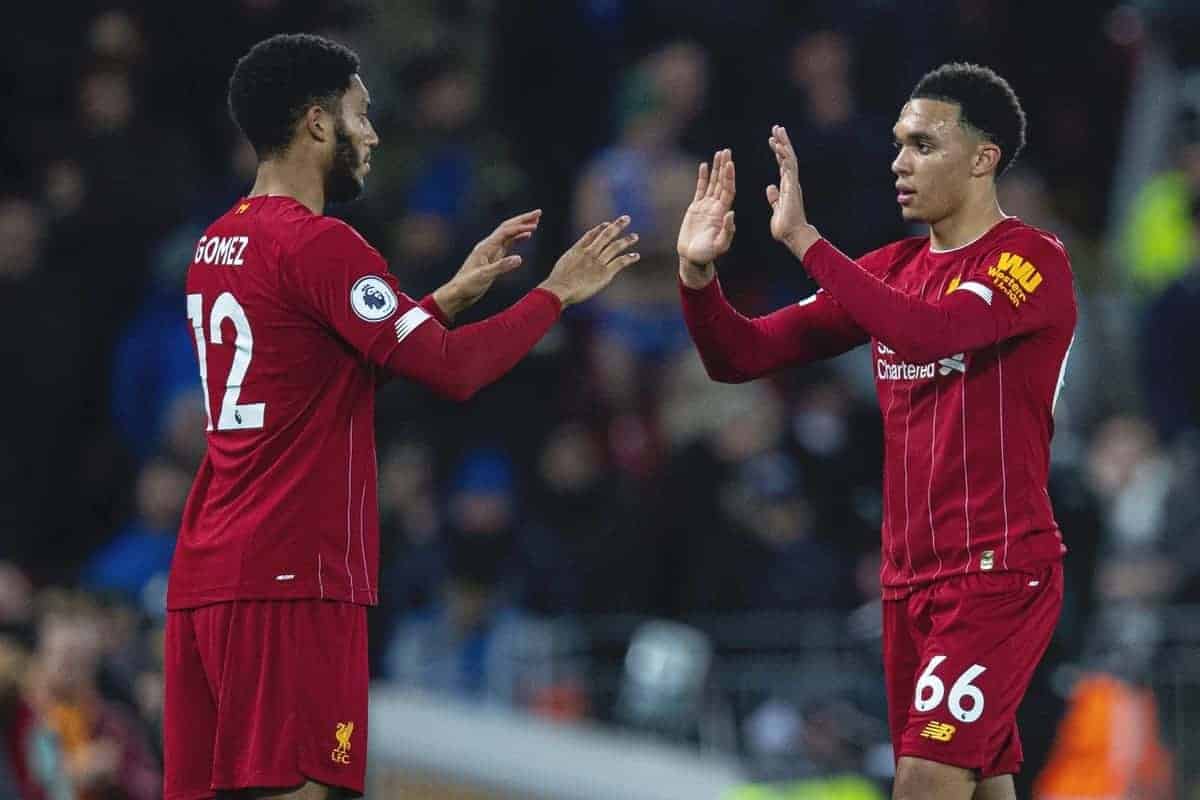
x: 587, y: 525
x: 840, y: 152
x: 463, y: 642
x: 457, y: 173
x: 155, y: 359
x: 30, y: 760
x: 1158, y: 240
x: 104, y: 751
x: 1167, y: 330
x: 135, y: 562
x: 39, y: 447
x: 646, y: 171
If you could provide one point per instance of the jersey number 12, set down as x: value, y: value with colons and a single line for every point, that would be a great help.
x: 234, y: 415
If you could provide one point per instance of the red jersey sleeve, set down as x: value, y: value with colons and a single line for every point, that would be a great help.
x: 1019, y: 286
x: 1025, y: 282
x: 736, y: 348
x: 345, y: 283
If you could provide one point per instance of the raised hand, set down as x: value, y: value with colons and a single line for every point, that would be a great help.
x: 488, y: 260
x: 592, y: 262
x: 707, y: 229
x: 789, y: 222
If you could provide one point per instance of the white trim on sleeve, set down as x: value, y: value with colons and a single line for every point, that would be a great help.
x: 979, y: 290
x: 409, y: 321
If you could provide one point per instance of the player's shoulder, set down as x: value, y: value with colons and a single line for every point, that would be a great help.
x: 1033, y: 244
x: 883, y: 259
x: 321, y: 237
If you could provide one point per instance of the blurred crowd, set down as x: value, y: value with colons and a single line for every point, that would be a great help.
x: 606, y: 478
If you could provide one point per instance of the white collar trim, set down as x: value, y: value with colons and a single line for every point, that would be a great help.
x: 1006, y: 218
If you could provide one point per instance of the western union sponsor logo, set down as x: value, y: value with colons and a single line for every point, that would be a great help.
x: 1015, y: 277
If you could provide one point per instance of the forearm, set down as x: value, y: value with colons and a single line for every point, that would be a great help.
x: 458, y: 363
x: 916, y: 329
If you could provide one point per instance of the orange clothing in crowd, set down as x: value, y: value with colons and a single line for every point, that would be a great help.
x: 1108, y: 746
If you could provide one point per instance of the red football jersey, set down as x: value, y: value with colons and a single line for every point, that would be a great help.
x: 967, y: 436
x: 969, y: 349
x: 284, y: 501
x: 296, y: 319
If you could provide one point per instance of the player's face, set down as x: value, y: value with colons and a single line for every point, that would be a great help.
x: 933, y: 161
x: 354, y: 139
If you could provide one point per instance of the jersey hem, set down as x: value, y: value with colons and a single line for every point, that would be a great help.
x: 901, y: 591
x: 185, y: 600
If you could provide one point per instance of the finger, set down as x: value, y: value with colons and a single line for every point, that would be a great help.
x: 728, y: 182
x: 714, y: 174
x: 620, y: 263
x: 507, y: 233
x: 590, y: 236
x: 523, y: 235
x: 610, y: 232
x: 780, y: 135
x: 778, y: 149
x: 701, y: 182
x: 786, y: 160
x: 514, y: 229
x: 772, y: 195
x: 506, y: 264
x: 521, y: 222
x: 617, y: 247
x: 529, y: 217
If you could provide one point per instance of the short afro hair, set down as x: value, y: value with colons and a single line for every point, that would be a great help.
x: 987, y: 105
x: 282, y: 77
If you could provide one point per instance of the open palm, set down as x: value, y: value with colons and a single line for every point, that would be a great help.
x: 707, y: 229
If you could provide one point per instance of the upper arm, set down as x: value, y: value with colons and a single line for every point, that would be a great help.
x: 1022, y: 285
x: 345, y: 284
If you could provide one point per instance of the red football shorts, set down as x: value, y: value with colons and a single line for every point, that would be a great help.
x: 263, y: 694
x: 958, y: 656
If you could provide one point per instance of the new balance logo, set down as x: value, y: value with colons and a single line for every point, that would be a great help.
x: 955, y: 363
x: 938, y: 731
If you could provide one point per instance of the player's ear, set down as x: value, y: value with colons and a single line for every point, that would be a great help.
x: 987, y: 159
x: 319, y: 123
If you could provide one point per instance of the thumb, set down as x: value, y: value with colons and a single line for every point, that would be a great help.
x: 772, y: 194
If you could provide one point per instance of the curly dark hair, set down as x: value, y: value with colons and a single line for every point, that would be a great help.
x: 987, y: 105
x: 279, y: 79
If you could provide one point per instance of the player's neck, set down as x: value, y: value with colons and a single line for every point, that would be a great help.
x: 973, y: 220
x: 281, y: 178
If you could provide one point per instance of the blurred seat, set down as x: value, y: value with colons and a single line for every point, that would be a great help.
x: 666, y: 672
